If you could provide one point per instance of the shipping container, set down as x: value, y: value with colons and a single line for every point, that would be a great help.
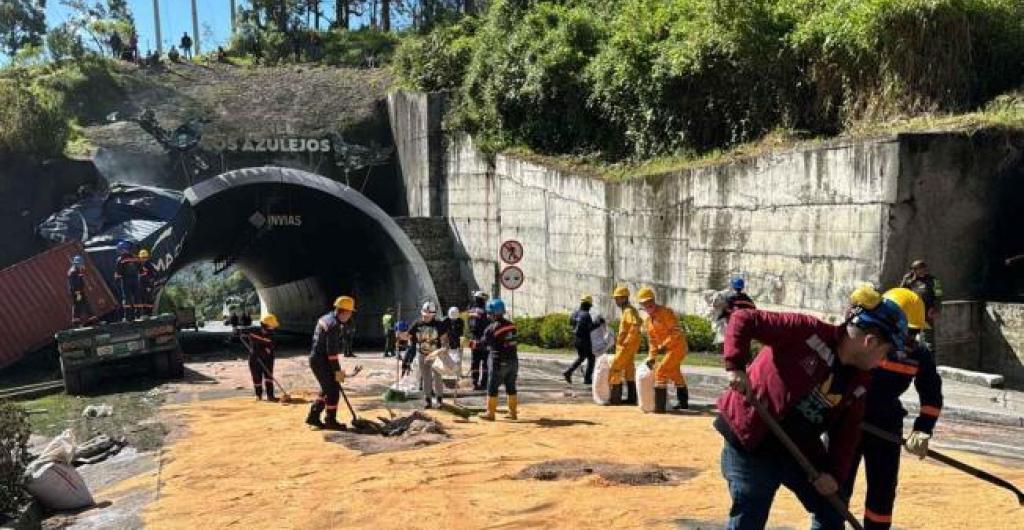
x: 35, y: 303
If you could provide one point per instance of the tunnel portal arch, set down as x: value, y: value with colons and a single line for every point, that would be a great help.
x: 303, y: 239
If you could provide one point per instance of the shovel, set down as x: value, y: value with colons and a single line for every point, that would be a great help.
x: 357, y: 422
x: 285, y: 396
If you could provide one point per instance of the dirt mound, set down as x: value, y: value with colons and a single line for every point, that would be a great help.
x: 400, y: 434
x: 628, y: 474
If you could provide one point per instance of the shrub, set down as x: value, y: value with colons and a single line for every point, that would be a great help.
x: 436, y: 61
x: 32, y: 122
x: 528, y: 329
x: 700, y: 336
x: 555, y: 331
x: 352, y: 48
x: 526, y: 81
x: 14, y: 433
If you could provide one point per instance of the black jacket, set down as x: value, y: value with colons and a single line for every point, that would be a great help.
x: 327, y: 341
x: 501, y: 340
x: 892, y: 378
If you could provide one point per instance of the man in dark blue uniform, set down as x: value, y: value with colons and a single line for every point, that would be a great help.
x: 477, y: 325
x: 582, y: 324
x: 502, y: 346
x: 323, y: 360
x: 126, y: 274
x: 883, y: 410
x: 260, y: 343
x: 81, y: 313
x: 737, y: 299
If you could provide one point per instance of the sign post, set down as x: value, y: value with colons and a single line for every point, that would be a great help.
x: 511, y: 277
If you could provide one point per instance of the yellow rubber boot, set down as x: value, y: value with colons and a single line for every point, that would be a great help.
x: 513, y: 407
x: 492, y: 408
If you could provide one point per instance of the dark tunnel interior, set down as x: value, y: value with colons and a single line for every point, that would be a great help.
x: 303, y: 240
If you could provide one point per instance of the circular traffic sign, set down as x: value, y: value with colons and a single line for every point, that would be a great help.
x: 511, y: 252
x: 512, y: 277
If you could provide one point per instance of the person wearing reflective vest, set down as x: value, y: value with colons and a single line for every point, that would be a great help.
x: 502, y: 342
x: 665, y: 339
x: 323, y: 361
x: 889, y: 381
x: 627, y: 343
x: 260, y: 343
x: 126, y: 275
x: 147, y: 283
x: 81, y: 313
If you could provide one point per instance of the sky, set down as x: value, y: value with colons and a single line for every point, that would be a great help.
x: 175, y: 19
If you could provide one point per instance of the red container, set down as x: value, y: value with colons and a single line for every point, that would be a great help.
x: 35, y: 303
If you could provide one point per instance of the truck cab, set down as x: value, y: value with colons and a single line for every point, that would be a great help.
x: 86, y: 353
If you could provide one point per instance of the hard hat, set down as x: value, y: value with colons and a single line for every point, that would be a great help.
x: 124, y: 246
x: 645, y: 294
x: 453, y: 312
x: 270, y: 320
x: 911, y: 304
x: 346, y: 303
x: 918, y: 263
x: 587, y: 299
x: 886, y: 317
x: 737, y: 283
x: 144, y: 254
x: 428, y: 308
x: 496, y: 306
x: 621, y: 291
x: 480, y: 294
x: 77, y: 260
x: 866, y: 296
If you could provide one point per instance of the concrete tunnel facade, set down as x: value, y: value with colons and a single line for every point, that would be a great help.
x: 302, y: 240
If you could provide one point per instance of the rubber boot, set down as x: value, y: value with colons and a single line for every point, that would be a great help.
x: 331, y: 422
x: 660, y: 399
x: 683, y: 395
x: 258, y: 390
x: 630, y: 393
x: 313, y: 418
x: 568, y: 377
x: 616, y: 395
x: 270, y: 392
x: 492, y: 409
x: 513, y: 407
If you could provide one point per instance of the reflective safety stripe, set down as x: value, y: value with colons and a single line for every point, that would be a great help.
x: 876, y: 517
x: 332, y: 407
x: 260, y: 338
x: 319, y: 400
x: 929, y: 410
x: 898, y: 368
x: 332, y: 357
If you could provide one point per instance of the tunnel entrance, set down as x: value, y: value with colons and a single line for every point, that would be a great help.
x: 303, y: 239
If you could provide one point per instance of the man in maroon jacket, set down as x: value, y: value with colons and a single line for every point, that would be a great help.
x: 812, y: 377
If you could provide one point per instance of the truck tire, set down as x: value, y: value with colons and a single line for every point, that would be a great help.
x: 161, y: 365
x: 176, y: 361
x: 73, y: 382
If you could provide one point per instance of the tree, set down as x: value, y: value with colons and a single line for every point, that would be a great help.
x: 22, y: 23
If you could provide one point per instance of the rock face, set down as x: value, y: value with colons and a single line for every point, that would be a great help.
x: 802, y: 226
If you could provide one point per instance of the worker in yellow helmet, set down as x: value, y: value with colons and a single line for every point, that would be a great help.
x: 627, y: 343
x: 260, y: 344
x: 665, y: 339
x: 148, y: 283
x: 323, y: 360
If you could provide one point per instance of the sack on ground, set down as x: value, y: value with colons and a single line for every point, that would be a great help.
x: 645, y: 388
x: 53, y: 481
x: 600, y: 388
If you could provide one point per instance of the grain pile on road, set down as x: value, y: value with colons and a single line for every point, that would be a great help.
x: 252, y: 465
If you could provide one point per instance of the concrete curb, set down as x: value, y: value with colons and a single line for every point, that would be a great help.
x: 717, y: 382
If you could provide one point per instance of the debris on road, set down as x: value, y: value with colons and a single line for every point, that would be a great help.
x: 97, y: 411
x: 404, y: 433
x: 53, y: 481
x: 628, y: 474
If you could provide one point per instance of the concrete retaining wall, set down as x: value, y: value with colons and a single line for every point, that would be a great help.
x: 803, y: 226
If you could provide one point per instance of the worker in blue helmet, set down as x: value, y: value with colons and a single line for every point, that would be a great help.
x: 737, y: 299
x: 81, y: 313
x: 501, y: 340
x: 127, y: 276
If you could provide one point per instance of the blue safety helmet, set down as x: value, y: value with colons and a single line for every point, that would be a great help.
x: 886, y: 317
x: 77, y: 260
x: 124, y: 246
x: 402, y: 325
x: 496, y: 306
x: 737, y: 283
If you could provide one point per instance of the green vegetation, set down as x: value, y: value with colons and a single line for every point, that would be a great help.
x: 197, y: 286
x: 554, y: 333
x: 628, y: 81
x: 14, y: 433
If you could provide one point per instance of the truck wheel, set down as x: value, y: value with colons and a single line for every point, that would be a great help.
x: 73, y: 382
x: 161, y: 365
x: 176, y: 361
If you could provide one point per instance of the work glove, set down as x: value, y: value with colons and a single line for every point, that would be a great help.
x: 472, y: 344
x: 339, y: 376
x: 917, y: 443
x: 826, y: 484
x: 78, y: 296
